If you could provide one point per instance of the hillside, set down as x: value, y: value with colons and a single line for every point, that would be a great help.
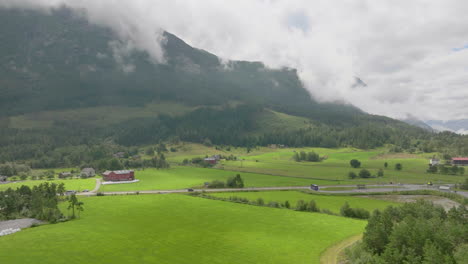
x: 63, y: 84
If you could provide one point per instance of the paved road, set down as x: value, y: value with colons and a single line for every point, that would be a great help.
x: 402, y: 187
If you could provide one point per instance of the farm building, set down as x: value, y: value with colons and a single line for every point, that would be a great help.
x: 213, y: 159
x: 460, y: 161
x: 119, y: 175
x: 434, y: 161
x: 210, y: 160
x: 64, y: 174
x: 88, y: 172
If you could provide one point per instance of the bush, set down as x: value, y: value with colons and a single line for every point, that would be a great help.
x: 398, y: 166
x: 355, y: 163
x: 235, y: 182
x: 352, y: 175
x: 99, y: 194
x: 312, y: 207
x: 360, y: 213
x: 216, y: 184
x: 380, y: 173
x: 365, y: 174
x: 260, y: 202
x: 301, y: 206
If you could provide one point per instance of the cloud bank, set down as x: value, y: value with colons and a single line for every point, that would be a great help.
x: 413, y: 55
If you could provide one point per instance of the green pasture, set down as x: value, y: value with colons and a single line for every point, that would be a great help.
x: 71, y: 184
x: 187, y: 177
x: 336, y: 166
x: 168, y: 229
x: 330, y: 202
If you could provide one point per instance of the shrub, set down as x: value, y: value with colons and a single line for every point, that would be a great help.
x: 260, y: 201
x: 216, y: 184
x: 301, y: 206
x: 352, y: 175
x: 364, y: 174
x: 398, y: 166
x: 312, y: 207
x: 355, y: 163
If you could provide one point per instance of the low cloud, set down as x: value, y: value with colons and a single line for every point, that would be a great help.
x: 411, y: 54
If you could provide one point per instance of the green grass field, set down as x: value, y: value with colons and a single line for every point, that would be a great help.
x: 167, y: 229
x: 336, y: 165
x: 330, y: 202
x: 186, y: 177
x: 72, y: 184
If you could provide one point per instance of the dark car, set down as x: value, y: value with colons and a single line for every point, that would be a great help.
x: 314, y: 187
x: 190, y: 190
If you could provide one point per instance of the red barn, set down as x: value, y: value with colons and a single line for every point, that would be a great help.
x: 119, y: 175
x: 460, y: 161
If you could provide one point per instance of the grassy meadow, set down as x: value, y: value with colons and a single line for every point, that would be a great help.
x: 70, y: 184
x: 187, y: 177
x: 180, y: 229
x: 330, y: 202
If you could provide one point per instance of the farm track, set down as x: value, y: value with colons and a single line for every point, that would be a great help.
x: 330, y: 256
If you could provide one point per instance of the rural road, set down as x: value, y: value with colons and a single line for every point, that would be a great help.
x: 380, y: 188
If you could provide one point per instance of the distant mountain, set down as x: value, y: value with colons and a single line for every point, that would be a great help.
x: 417, y: 122
x: 458, y: 126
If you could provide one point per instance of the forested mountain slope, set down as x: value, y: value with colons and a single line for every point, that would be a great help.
x: 62, y: 84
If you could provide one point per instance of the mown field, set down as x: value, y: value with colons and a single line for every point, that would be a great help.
x: 186, y: 177
x: 70, y: 184
x: 168, y: 229
x: 330, y: 202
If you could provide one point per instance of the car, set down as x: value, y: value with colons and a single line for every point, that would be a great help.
x: 85, y: 190
x: 190, y: 190
x: 314, y: 187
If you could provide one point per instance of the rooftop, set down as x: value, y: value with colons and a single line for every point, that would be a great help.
x: 460, y: 158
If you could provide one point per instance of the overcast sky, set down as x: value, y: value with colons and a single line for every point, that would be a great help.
x: 413, y: 55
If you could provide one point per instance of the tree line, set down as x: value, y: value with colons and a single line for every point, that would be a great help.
x: 414, y: 233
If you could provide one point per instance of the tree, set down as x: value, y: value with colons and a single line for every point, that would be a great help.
x: 386, y: 164
x: 380, y: 173
x: 79, y: 207
x: 149, y: 151
x: 352, y: 175
x: 72, y: 203
x: 355, y: 163
x: 61, y: 189
x: 312, y: 207
x: 287, y: 205
x: 235, y: 182
x: 296, y: 157
x: 115, y: 164
x: 301, y: 206
x: 364, y: 173
x: 398, y: 166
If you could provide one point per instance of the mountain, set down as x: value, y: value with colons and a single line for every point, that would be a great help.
x: 459, y: 126
x: 64, y: 83
x: 417, y: 122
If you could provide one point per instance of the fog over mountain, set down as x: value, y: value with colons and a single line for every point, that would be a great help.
x: 412, y: 56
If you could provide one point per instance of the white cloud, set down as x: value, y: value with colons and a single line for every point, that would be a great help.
x: 403, y: 50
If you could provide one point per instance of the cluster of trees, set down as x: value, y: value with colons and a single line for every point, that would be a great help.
x: 464, y: 185
x: 309, y: 156
x: 232, y: 182
x: 360, y: 213
x: 448, y: 170
x: 12, y: 169
x: 414, y: 233
x: 40, y: 202
x: 364, y: 173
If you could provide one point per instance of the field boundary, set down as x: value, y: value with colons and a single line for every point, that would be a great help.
x: 330, y: 255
